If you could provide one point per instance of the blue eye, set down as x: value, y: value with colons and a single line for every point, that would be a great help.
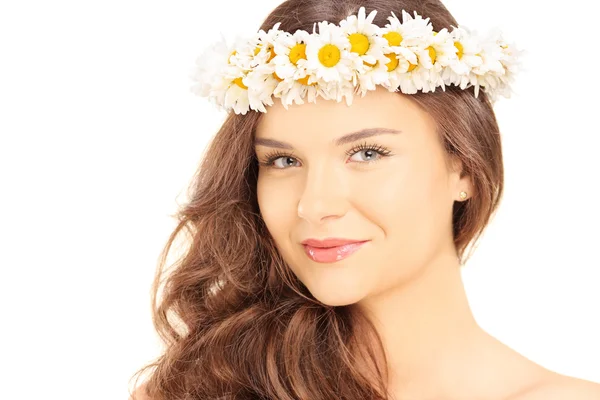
x: 285, y: 161
x: 271, y: 158
x: 371, y: 151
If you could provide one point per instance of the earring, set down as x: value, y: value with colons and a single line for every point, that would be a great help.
x: 463, y: 195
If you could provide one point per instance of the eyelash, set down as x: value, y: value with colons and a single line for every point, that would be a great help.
x: 382, y: 151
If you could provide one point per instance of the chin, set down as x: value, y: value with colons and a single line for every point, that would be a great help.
x: 335, y: 285
x: 334, y: 301
x: 336, y: 295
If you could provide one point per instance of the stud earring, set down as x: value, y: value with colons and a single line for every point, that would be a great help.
x: 463, y: 195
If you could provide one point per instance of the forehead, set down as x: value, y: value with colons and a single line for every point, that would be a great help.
x: 329, y: 118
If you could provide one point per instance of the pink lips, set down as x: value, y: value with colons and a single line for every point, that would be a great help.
x: 330, y: 250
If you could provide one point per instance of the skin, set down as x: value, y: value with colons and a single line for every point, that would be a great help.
x: 407, y: 277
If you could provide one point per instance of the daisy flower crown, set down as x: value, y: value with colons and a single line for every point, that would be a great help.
x: 351, y: 58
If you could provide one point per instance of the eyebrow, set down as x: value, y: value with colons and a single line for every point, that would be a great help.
x: 348, y: 138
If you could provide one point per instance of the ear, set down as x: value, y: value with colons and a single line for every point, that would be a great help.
x: 458, y: 180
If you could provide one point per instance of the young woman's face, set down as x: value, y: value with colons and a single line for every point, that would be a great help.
x: 387, y: 185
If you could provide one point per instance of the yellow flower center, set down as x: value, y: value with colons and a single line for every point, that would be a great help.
x: 298, y: 52
x: 329, y: 55
x: 393, y: 64
x: 371, y: 65
x: 393, y: 38
x: 271, y: 50
x: 359, y: 42
x: 459, y: 49
x: 233, y: 53
x: 272, y: 56
x: 432, y: 54
x: 238, y: 81
x: 304, y: 81
x: 411, y: 66
x: 277, y: 77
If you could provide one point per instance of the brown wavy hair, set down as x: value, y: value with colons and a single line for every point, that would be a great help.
x: 235, y: 322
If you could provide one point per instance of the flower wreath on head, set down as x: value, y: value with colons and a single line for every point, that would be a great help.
x: 351, y: 58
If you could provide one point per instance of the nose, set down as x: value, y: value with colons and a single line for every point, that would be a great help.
x: 324, y: 195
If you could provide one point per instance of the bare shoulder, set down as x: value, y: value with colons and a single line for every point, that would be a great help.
x: 560, y: 387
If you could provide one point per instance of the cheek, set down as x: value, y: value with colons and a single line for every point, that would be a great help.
x: 406, y: 190
x: 275, y: 206
x: 403, y: 201
x: 387, y: 196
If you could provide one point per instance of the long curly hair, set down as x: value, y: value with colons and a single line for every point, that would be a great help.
x: 235, y: 322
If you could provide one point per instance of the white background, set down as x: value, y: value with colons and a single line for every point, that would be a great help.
x: 100, y: 136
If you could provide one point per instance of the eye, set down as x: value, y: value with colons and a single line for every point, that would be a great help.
x: 286, y: 161
x: 277, y: 160
x: 372, y: 153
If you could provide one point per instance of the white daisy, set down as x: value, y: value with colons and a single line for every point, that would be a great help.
x: 414, y: 80
x: 366, y: 41
x: 488, y: 73
x: 337, y: 92
x: 234, y: 91
x: 208, y: 65
x: 486, y: 67
x: 328, y: 55
x: 373, y: 75
x: 261, y: 84
x: 258, y: 56
x: 295, y: 90
x: 289, y: 64
x: 264, y: 51
x: 364, y: 36
x: 499, y: 66
x: 290, y: 56
x: 405, y: 41
x: 242, y: 55
x: 220, y: 76
x: 491, y: 54
x: 408, y: 33
x: 468, y: 57
x: 434, y: 50
x: 437, y: 56
x: 512, y: 62
x: 512, y: 57
x: 245, y: 82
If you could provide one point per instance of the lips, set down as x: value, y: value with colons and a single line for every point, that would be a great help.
x: 331, y: 250
x: 329, y: 242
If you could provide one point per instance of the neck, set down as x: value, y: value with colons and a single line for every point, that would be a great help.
x: 426, y: 326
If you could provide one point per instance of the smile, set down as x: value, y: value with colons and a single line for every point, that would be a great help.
x: 332, y: 254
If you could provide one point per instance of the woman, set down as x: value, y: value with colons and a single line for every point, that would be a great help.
x: 327, y: 236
